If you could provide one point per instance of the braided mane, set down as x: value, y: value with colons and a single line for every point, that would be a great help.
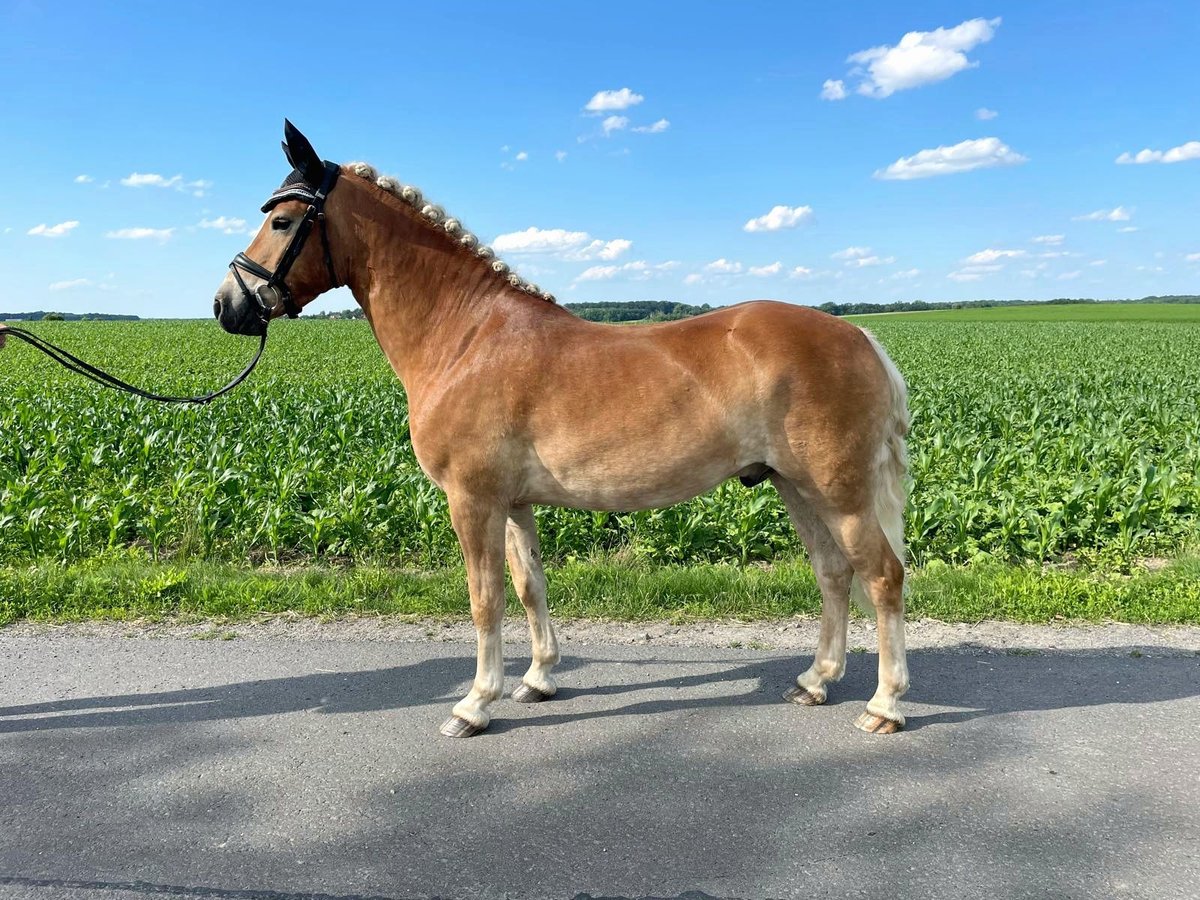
x: 436, y: 217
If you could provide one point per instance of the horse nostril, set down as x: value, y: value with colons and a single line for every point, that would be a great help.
x: 217, y: 308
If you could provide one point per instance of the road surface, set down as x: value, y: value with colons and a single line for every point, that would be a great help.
x: 296, y: 767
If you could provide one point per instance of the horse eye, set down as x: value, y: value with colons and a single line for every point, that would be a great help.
x: 281, y: 224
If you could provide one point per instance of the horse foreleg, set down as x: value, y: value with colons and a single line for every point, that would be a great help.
x: 833, y: 573
x: 525, y: 565
x: 480, y: 529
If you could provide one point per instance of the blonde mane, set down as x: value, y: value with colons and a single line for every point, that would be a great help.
x: 437, y: 218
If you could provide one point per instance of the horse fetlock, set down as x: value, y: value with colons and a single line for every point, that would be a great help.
x: 884, y: 706
x: 473, y: 709
x: 539, y: 678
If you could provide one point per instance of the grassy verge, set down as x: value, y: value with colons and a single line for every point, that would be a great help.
x: 604, y: 589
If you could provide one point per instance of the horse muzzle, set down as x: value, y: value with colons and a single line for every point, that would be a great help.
x: 239, y: 315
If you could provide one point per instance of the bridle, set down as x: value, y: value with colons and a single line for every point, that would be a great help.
x: 274, y: 283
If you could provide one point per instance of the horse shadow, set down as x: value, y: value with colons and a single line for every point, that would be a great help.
x: 949, y: 686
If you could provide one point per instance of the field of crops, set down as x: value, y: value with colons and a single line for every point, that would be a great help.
x: 1033, y: 440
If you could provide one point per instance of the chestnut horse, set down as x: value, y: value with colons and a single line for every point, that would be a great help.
x: 514, y: 401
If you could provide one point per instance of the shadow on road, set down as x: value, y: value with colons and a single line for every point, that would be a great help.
x: 678, y: 773
x: 972, y: 684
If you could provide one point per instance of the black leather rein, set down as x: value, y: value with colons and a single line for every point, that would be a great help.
x: 77, y: 365
x: 273, y: 283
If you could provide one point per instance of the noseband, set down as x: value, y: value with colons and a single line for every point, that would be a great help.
x: 274, y: 282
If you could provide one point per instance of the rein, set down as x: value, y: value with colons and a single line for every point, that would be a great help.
x: 77, y: 365
x: 266, y: 298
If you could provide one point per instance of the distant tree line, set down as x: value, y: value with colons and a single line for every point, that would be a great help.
x: 666, y: 310
x: 859, y: 309
x: 635, y: 311
x: 355, y: 313
x: 41, y: 315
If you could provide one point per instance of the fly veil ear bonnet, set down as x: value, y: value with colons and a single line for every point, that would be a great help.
x: 310, y: 182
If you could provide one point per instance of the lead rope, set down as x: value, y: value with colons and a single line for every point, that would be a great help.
x: 75, y: 364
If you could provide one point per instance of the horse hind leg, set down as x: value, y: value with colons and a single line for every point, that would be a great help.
x: 834, y: 573
x: 880, y: 576
x: 529, y: 580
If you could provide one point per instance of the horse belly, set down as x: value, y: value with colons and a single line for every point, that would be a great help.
x: 608, y: 468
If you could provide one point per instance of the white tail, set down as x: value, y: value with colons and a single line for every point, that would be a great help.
x: 891, y: 471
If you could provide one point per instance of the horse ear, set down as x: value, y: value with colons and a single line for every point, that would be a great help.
x: 301, y: 155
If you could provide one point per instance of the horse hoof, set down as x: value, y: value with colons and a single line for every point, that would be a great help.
x: 803, y: 697
x: 526, y: 694
x: 457, y: 727
x: 873, y: 724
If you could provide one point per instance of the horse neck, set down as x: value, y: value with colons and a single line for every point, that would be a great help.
x: 421, y: 292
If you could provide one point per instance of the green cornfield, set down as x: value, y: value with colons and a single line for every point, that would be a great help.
x: 1036, y: 438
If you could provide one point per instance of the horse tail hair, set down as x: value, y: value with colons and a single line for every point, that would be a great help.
x: 891, y: 470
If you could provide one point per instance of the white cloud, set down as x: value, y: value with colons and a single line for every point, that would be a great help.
x: 833, y: 89
x: 601, y: 250
x: 1098, y: 262
x: 990, y: 255
x: 1182, y: 153
x: 226, y: 224
x: 1067, y: 276
x: 801, y: 272
x: 598, y: 273
x: 614, y: 123
x: 84, y: 179
x: 68, y: 285
x: 694, y: 278
x: 906, y: 273
x: 862, y: 257
x: 1192, y: 257
x: 604, y: 101
x: 560, y: 155
x: 1116, y: 214
x: 150, y: 179
x: 1127, y: 229
x: 638, y: 270
x: 920, y: 57
x: 522, y: 156
x: 657, y: 128
x: 779, y: 217
x: 983, y: 114
x: 1049, y: 239
x: 766, y: 271
x: 864, y: 261
x: 983, y: 153
x: 54, y: 231
x: 975, y: 272
x: 723, y: 266
x: 539, y: 240
x: 141, y: 234
x: 572, y: 245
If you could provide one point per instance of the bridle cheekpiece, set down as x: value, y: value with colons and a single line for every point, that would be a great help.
x: 294, y: 187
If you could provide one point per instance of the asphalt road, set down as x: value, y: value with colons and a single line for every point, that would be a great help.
x: 292, y: 769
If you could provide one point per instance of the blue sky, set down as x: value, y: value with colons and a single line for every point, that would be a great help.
x: 806, y: 152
